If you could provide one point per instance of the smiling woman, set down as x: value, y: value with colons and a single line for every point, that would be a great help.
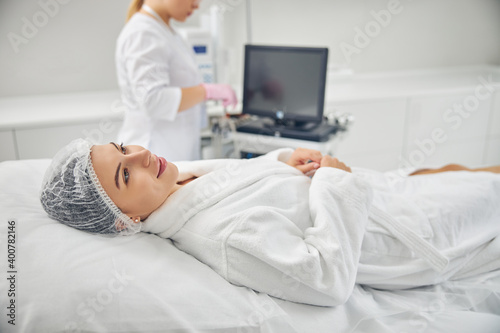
x: 273, y: 225
x: 111, y: 189
x: 106, y: 189
x: 136, y: 180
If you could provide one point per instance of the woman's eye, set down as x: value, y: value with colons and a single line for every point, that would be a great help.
x: 126, y: 175
x: 124, y: 150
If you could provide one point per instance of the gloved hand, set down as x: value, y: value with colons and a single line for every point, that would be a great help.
x: 222, y: 92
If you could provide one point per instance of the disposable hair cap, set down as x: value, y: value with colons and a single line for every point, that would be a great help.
x: 72, y: 194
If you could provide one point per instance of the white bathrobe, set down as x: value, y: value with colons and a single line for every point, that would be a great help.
x: 263, y: 224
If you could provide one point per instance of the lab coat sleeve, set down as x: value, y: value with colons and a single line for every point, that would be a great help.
x: 146, y: 63
x: 317, y: 266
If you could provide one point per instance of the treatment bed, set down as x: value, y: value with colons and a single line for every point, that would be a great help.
x: 57, y: 279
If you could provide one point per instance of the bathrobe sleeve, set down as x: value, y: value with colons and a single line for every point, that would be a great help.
x: 281, y: 154
x: 315, y: 266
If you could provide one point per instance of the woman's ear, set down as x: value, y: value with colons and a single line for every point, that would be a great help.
x: 135, y: 219
x: 120, y: 226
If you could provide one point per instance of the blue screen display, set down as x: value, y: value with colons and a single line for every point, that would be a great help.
x: 200, y: 49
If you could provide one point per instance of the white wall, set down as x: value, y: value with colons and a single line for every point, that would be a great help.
x: 417, y: 34
x: 74, y: 49
x: 72, y: 45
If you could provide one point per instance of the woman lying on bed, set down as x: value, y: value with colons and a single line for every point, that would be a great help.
x: 264, y: 224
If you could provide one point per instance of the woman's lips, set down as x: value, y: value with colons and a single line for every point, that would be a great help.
x: 163, y: 166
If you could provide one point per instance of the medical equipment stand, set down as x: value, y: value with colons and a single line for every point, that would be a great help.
x: 248, y: 145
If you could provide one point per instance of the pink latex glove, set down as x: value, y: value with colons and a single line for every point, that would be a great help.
x: 222, y: 92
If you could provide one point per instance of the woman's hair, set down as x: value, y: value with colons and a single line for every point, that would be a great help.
x: 72, y: 194
x: 134, y: 7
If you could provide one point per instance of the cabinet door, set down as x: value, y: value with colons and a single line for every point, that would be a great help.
x: 447, y: 129
x: 45, y: 142
x: 7, y: 146
x: 494, y: 130
x: 492, y: 153
x: 375, y: 139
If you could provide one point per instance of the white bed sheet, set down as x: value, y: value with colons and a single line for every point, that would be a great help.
x: 69, y: 281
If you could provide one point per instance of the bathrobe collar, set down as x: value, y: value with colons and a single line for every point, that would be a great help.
x: 210, y: 188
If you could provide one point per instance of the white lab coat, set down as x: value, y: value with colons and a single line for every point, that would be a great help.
x: 153, y: 63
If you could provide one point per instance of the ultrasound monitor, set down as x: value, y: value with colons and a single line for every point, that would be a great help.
x: 285, y: 84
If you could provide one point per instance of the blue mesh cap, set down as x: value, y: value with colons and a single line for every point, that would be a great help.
x: 72, y: 194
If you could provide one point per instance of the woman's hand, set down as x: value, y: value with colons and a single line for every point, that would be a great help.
x: 305, y: 160
x: 328, y: 161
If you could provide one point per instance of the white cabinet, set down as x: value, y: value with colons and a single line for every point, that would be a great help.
x: 375, y: 139
x: 450, y: 114
x: 494, y: 128
x: 420, y: 118
x: 492, y: 151
x: 38, y: 126
x: 447, y: 128
x: 7, y: 145
x: 44, y: 142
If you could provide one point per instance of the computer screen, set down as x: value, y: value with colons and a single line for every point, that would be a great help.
x: 285, y: 83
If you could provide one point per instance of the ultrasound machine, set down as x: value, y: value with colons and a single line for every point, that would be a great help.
x: 284, y: 92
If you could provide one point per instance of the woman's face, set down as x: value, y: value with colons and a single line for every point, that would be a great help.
x: 180, y: 10
x: 136, y: 180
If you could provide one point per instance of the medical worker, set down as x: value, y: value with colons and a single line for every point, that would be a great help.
x: 160, y: 84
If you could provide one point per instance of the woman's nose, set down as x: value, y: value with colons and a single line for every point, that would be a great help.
x: 142, y: 157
